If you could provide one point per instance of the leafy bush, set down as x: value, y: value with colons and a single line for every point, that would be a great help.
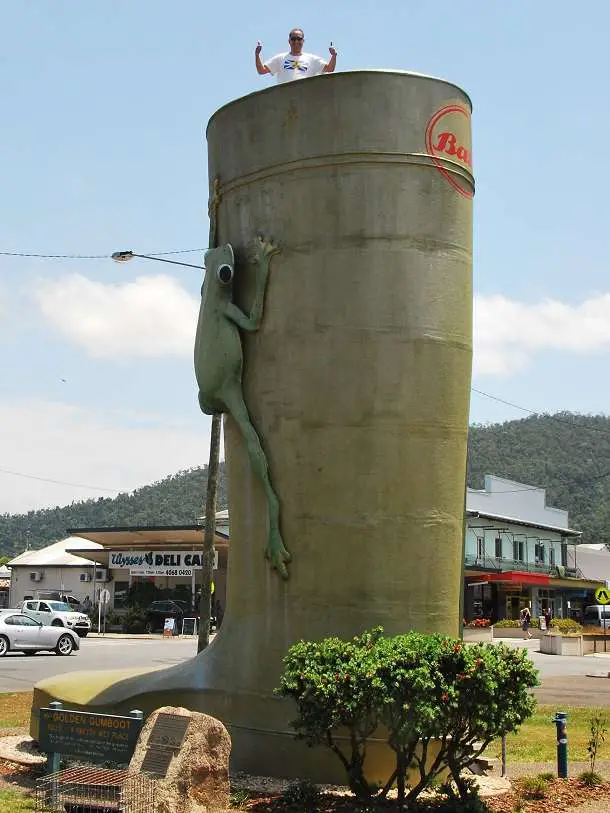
x: 239, y: 798
x: 134, y: 620
x: 511, y: 623
x: 431, y: 694
x: 564, y: 625
x: 302, y: 794
x: 598, y: 729
x: 590, y: 779
x: 533, y: 787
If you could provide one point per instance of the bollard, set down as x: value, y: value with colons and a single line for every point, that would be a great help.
x: 53, y: 757
x: 560, y: 721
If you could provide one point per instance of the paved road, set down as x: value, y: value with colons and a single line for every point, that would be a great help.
x: 19, y: 673
x: 564, y: 678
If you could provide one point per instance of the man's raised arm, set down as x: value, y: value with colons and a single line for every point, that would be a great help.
x: 332, y: 62
x: 260, y: 67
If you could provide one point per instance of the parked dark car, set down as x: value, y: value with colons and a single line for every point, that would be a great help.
x: 158, y: 611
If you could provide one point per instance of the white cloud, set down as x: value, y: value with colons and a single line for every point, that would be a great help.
x: 151, y: 317
x: 59, y: 441
x: 155, y: 317
x: 508, y: 334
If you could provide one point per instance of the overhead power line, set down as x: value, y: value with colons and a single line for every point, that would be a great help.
x: 93, y: 256
x: 58, y: 482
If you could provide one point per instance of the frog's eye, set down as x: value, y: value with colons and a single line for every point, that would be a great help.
x: 224, y: 274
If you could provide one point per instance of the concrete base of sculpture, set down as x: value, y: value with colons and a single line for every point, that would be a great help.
x: 262, y: 742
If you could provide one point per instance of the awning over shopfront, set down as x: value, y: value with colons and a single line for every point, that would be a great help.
x: 167, y: 537
x: 514, y: 577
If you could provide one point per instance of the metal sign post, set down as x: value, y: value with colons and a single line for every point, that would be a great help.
x: 602, y: 596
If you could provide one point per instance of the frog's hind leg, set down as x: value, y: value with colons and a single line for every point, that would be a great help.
x: 275, y: 551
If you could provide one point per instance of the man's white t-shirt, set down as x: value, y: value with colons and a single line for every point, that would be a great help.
x: 288, y: 67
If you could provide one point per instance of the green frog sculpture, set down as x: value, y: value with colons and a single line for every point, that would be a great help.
x: 219, y: 365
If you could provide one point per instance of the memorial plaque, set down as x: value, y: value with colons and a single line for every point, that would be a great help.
x: 164, y: 741
x: 96, y: 737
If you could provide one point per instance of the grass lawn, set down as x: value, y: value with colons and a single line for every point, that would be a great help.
x: 14, y: 802
x: 15, y: 710
x: 536, y: 740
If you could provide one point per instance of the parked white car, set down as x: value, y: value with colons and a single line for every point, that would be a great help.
x: 57, y: 614
x: 24, y: 634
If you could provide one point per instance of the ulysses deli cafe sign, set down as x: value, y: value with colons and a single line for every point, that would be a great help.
x: 159, y: 563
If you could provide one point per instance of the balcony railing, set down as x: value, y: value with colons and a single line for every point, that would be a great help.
x: 501, y: 565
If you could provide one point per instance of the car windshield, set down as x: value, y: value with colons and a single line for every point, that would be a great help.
x: 59, y: 606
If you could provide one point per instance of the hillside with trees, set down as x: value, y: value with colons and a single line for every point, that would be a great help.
x: 175, y: 500
x: 567, y: 454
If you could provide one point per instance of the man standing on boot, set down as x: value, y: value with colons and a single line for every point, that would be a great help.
x: 294, y: 64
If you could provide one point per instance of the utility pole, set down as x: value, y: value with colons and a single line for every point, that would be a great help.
x: 209, y: 533
x: 207, y: 572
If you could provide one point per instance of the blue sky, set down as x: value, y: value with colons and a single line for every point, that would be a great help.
x: 105, y: 105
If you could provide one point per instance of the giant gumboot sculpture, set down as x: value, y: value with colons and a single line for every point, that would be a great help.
x: 356, y: 384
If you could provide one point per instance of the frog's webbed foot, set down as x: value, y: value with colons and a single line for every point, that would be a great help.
x: 263, y: 250
x: 277, y: 554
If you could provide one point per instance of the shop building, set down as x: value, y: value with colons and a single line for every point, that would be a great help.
x: 53, y: 570
x: 92, y: 560
x: 520, y: 552
x: 167, y: 557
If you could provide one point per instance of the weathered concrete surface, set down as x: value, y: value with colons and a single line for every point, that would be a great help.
x: 357, y: 381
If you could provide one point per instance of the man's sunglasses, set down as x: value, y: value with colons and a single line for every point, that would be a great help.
x: 295, y: 39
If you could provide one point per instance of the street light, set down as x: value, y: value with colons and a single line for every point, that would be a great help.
x: 209, y: 532
x: 126, y: 256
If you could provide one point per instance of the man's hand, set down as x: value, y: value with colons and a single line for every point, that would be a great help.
x: 260, y: 68
x: 332, y: 61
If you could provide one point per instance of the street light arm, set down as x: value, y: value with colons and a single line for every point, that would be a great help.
x: 126, y: 256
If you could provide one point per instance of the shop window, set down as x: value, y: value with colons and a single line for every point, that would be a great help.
x: 552, y: 556
x: 498, y: 544
x: 480, y: 547
x: 121, y: 590
x: 539, y: 553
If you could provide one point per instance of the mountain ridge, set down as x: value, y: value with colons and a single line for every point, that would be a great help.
x: 567, y: 454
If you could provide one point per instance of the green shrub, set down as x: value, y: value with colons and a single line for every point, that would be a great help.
x: 428, y: 691
x: 533, y: 787
x: 134, y: 620
x: 590, y: 779
x: 302, y: 794
x: 598, y: 729
x: 239, y: 798
x: 512, y: 623
x: 565, y: 625
x: 547, y: 776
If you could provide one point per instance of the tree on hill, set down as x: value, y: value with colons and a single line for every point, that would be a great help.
x: 567, y: 454
x: 176, y: 500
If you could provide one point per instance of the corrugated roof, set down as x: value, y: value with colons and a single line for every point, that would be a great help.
x: 56, y: 554
x: 472, y: 512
